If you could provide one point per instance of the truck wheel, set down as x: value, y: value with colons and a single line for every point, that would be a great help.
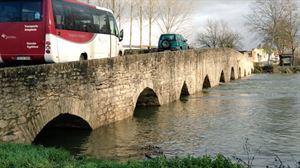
x: 166, y: 44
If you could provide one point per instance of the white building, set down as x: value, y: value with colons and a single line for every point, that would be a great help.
x: 260, y: 56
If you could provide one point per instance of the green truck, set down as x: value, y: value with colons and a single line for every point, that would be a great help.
x: 172, y: 42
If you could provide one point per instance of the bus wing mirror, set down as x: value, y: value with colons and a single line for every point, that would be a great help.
x: 121, y: 35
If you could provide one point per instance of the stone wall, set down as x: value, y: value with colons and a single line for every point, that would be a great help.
x: 106, y: 90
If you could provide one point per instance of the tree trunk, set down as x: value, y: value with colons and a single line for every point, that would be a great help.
x: 150, y: 31
x: 113, y: 5
x: 120, y: 15
x: 293, y: 55
x: 141, y: 23
x: 131, y: 18
x: 150, y: 21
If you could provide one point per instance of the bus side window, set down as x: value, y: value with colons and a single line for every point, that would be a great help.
x: 31, y: 11
x: 58, y: 14
x: 83, y: 19
x: 105, y: 26
x: 113, y: 26
x: 68, y: 17
x: 117, y: 30
x: 100, y: 21
x: 9, y: 13
x: 96, y: 20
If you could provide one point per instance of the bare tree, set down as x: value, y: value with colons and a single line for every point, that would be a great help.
x: 104, y: 3
x: 209, y: 38
x: 151, y: 11
x: 113, y: 5
x: 173, y: 15
x: 228, y: 38
x: 276, y: 21
x: 141, y: 22
x: 117, y: 6
x: 131, y: 20
x: 217, y: 34
x: 290, y: 27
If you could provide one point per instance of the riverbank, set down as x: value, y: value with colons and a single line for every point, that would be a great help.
x: 277, y: 69
x: 28, y: 156
x: 286, y: 69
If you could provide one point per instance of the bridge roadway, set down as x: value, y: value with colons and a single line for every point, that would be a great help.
x: 94, y: 93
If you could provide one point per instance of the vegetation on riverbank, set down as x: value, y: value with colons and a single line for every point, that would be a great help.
x: 28, y: 156
x: 286, y: 69
x: 276, y: 69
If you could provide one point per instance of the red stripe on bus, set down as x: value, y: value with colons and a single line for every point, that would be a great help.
x: 75, y: 36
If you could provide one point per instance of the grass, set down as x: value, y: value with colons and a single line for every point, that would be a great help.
x: 28, y: 156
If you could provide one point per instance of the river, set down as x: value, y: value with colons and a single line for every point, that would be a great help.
x: 265, y: 109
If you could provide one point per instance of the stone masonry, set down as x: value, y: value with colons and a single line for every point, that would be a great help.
x: 105, y: 90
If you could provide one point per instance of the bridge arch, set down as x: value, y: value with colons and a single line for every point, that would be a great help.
x: 222, y: 77
x: 147, y: 98
x: 240, y: 72
x: 184, y: 90
x: 64, y: 120
x: 232, y: 74
x: 69, y: 111
x: 206, y: 83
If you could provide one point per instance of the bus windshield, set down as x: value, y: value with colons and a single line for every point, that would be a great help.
x: 20, y: 10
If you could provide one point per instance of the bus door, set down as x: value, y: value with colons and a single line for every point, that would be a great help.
x: 114, y: 36
x: 102, y: 42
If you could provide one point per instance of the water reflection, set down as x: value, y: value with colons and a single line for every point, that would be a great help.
x: 68, y: 138
x: 263, y: 108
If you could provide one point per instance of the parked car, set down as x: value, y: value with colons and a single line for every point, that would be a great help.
x: 286, y: 59
x: 172, y: 42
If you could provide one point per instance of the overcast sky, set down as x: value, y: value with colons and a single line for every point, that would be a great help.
x: 231, y: 11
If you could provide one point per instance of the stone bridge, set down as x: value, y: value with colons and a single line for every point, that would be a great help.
x: 90, y: 94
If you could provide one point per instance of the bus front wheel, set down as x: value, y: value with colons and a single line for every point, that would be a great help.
x: 120, y: 53
x: 83, y: 57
